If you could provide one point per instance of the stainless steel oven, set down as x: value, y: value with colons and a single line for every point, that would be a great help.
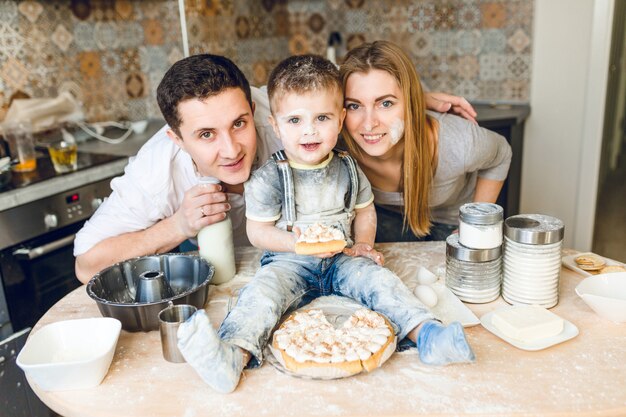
x: 36, y: 260
x: 37, y: 228
x: 36, y: 271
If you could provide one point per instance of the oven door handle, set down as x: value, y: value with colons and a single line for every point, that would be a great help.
x: 34, y: 253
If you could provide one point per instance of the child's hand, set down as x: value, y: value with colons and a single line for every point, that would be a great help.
x: 365, y: 250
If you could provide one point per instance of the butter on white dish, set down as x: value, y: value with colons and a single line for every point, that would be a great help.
x: 569, y: 332
x: 527, y: 323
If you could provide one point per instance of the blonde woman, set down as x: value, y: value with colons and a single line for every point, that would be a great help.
x: 422, y: 165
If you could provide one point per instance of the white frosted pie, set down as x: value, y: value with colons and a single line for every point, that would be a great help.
x: 307, y: 344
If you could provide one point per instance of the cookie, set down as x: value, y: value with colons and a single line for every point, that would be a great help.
x: 589, y: 262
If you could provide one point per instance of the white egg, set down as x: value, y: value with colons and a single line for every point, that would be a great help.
x: 426, y: 295
x: 425, y: 277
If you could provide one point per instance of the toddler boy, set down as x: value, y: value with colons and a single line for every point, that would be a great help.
x: 310, y: 183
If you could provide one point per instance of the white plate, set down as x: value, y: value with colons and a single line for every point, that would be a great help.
x: 570, y: 263
x: 569, y: 331
x: 449, y: 308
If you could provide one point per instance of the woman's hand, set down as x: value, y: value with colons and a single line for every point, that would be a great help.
x: 444, y: 103
x: 365, y: 250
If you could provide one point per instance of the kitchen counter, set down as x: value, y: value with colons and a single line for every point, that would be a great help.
x: 61, y: 183
x: 583, y: 376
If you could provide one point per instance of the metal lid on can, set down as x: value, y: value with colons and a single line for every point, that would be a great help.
x: 534, y: 229
x: 457, y: 251
x: 481, y: 213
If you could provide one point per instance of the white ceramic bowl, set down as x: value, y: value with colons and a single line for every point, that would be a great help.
x: 606, y: 295
x: 70, y: 354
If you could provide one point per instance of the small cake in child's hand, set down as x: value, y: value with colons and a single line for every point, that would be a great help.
x: 319, y: 238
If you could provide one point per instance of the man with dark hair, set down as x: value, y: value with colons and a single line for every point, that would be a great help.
x: 158, y: 203
x: 217, y: 127
x: 201, y: 77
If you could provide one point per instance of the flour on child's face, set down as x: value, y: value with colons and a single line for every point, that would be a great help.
x: 309, y: 124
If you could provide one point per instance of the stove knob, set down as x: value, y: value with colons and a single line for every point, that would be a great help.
x: 51, y: 221
x: 95, y: 203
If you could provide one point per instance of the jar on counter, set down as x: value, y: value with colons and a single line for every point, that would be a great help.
x: 480, y: 225
x: 532, y: 259
x: 473, y: 275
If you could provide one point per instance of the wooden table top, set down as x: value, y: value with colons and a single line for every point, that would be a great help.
x: 583, y: 376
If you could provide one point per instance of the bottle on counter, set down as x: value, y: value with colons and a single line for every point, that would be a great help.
x: 215, y: 245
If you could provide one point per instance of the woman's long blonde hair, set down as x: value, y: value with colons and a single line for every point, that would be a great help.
x: 420, y: 130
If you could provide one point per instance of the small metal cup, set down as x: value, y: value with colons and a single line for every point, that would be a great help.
x: 151, y: 287
x: 170, y: 319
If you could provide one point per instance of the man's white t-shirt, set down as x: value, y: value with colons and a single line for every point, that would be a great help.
x: 156, y: 179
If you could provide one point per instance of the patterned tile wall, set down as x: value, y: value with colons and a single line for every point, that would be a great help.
x: 111, y: 54
x: 480, y: 49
